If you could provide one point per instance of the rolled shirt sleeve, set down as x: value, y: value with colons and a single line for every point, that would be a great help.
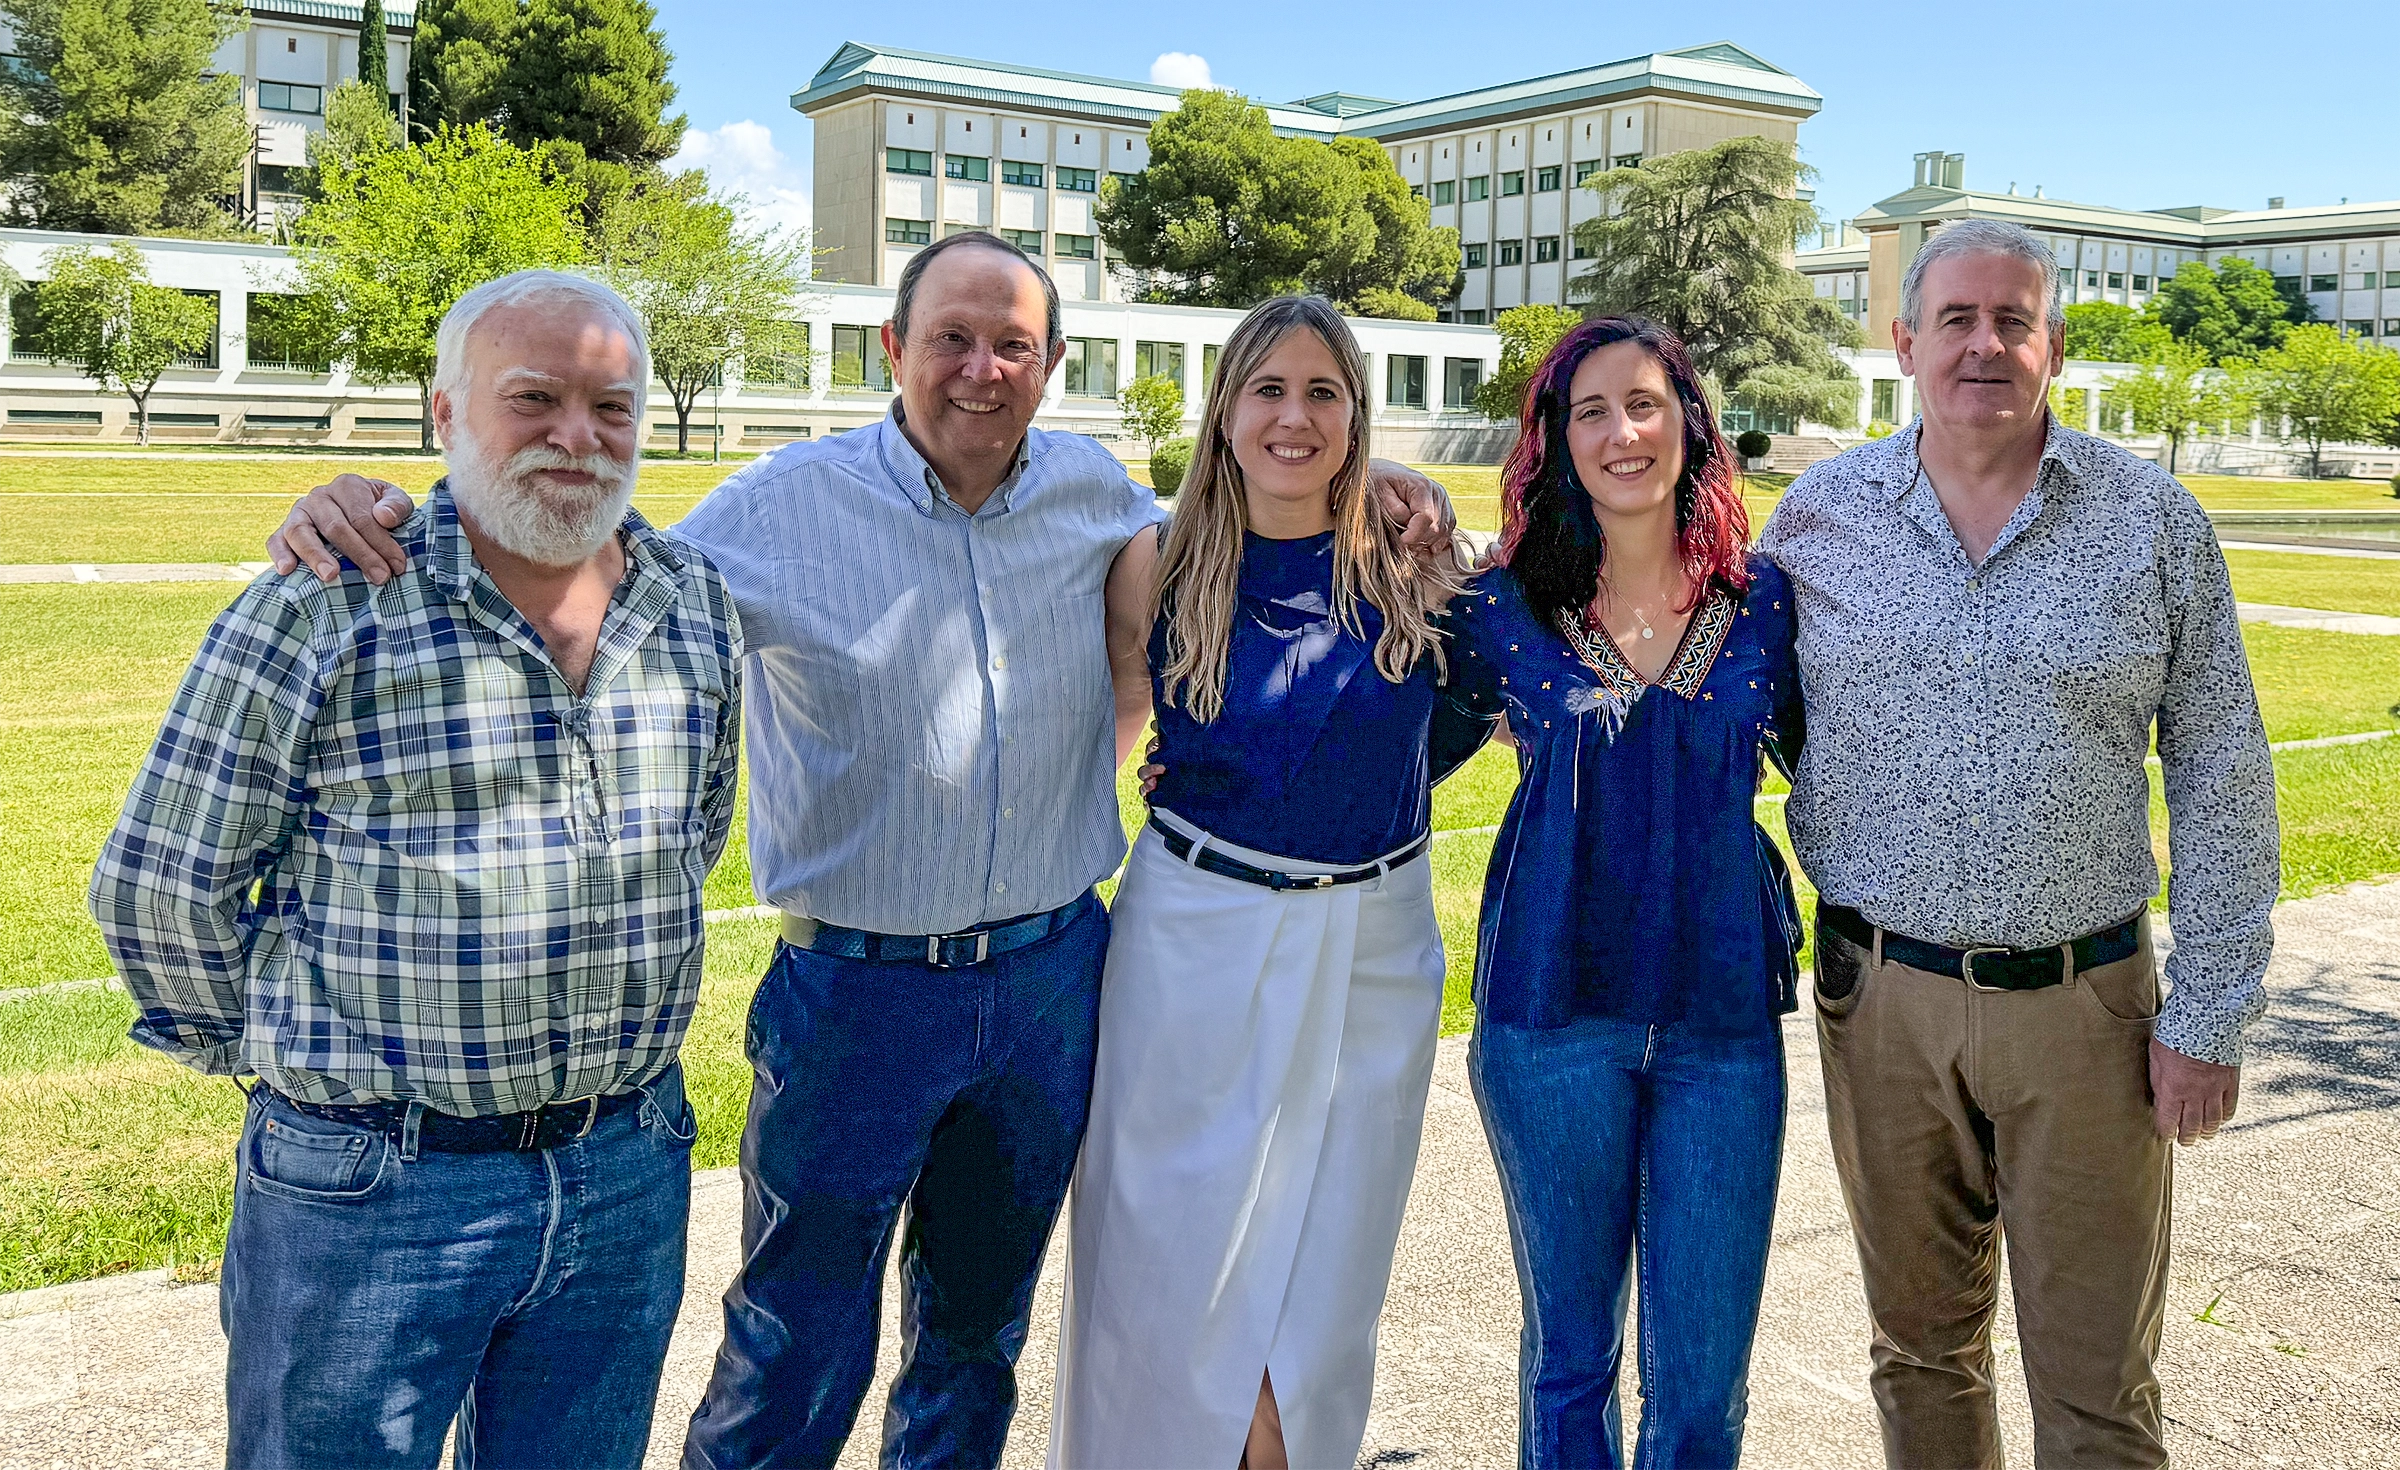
x: 2222, y: 834
x: 209, y: 814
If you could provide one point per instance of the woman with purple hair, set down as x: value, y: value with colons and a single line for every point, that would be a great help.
x: 1638, y: 931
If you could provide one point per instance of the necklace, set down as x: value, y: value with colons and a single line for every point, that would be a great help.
x: 1647, y: 630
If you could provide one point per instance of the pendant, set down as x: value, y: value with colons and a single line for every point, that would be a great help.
x: 1649, y: 632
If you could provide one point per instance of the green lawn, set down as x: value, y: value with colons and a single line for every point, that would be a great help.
x: 2295, y: 579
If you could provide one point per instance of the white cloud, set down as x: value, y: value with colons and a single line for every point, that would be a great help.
x: 1181, y: 69
x: 741, y: 158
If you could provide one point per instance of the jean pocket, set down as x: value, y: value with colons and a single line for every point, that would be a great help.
x: 315, y: 1159
x: 667, y: 1112
x: 2126, y: 991
x: 1841, y: 974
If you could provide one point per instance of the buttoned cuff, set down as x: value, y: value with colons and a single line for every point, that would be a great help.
x: 221, y: 1059
x: 2208, y: 1031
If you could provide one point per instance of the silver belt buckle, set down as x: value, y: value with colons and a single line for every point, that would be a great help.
x: 934, y: 943
x: 1966, y: 967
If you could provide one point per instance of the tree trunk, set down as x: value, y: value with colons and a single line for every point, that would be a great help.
x: 425, y: 415
x: 141, y: 417
x: 683, y: 429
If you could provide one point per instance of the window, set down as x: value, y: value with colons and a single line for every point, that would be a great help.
x: 2391, y: 326
x: 1077, y: 247
x: 1473, y: 317
x: 278, y: 335
x: 1159, y: 360
x: 2365, y: 282
x: 1081, y: 180
x: 206, y: 357
x: 908, y: 231
x: 1444, y: 192
x: 1029, y: 241
x: 1887, y: 400
x: 1589, y: 167
x: 2116, y: 280
x: 1479, y: 187
x: 1579, y: 250
x: 1461, y: 376
x: 2288, y: 285
x: 956, y: 166
x: 2360, y: 329
x: 290, y: 97
x: 779, y: 365
x: 2324, y: 283
x: 2141, y: 283
x: 1404, y: 381
x: 1122, y: 178
x: 958, y: 229
x: 907, y: 161
x: 1029, y: 174
x: 1208, y: 366
x: 26, y: 341
x: 1512, y: 252
x: 1627, y: 160
x: 858, y: 361
x: 1092, y: 367
x: 1512, y: 184
x: 2092, y: 279
x: 1471, y: 256
x: 1545, y: 179
x: 1545, y: 248
x: 1416, y: 191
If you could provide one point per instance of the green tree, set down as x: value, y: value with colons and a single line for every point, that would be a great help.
x: 1527, y: 333
x: 458, y: 60
x: 358, y: 126
x: 399, y: 237
x: 111, y: 120
x: 99, y: 311
x: 1699, y: 242
x: 2233, y: 311
x: 1229, y: 214
x: 2320, y: 388
x: 594, y: 73
x: 2103, y: 331
x: 707, y: 290
x: 374, y: 62
x: 2177, y: 393
x: 1409, y: 267
x: 1151, y: 409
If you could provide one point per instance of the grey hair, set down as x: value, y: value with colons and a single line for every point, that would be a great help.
x: 518, y: 288
x: 1981, y: 237
x: 904, y: 299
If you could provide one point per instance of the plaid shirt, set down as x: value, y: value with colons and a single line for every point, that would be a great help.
x: 382, y: 850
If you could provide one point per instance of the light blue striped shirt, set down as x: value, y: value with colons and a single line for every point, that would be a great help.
x: 930, y: 727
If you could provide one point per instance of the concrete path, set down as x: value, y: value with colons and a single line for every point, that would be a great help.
x: 2318, y: 618
x: 2282, y: 1341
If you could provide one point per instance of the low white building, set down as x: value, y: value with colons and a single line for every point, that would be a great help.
x: 248, y: 387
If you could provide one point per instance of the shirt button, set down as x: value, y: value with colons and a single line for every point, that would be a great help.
x: 999, y: 663
x: 1008, y: 811
x: 1975, y: 822
x: 999, y: 888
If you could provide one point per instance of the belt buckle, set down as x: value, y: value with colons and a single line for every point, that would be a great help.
x: 591, y: 1115
x: 1966, y: 967
x: 937, y: 955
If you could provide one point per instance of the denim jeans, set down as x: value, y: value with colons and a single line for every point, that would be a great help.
x: 1624, y: 1144
x: 374, y: 1292
x: 958, y: 1093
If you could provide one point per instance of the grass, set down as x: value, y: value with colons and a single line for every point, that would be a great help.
x: 2340, y: 583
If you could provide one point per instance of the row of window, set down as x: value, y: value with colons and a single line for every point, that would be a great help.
x: 1404, y: 381
x: 2116, y: 280
x: 977, y: 169
x: 1066, y: 247
x: 291, y: 97
x: 1545, y: 180
x: 1509, y: 252
x: 2366, y: 328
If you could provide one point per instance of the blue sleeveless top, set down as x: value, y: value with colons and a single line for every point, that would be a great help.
x: 1630, y: 878
x: 1315, y: 756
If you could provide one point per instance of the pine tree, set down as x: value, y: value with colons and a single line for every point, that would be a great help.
x: 594, y: 73
x: 374, y: 62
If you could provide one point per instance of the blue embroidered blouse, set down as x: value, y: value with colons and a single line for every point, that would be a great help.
x: 1629, y: 878
x: 1315, y: 755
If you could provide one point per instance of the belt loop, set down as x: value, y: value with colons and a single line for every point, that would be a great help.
x: 412, y: 1124
x: 1191, y: 859
x: 1877, y: 930
x: 2066, y: 964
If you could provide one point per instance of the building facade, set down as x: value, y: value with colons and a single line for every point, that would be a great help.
x: 249, y: 388
x: 910, y: 146
x: 2343, y: 259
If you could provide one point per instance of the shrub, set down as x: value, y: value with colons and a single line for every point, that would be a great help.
x: 1169, y: 462
x: 1753, y: 443
x: 2396, y: 487
x: 1881, y: 430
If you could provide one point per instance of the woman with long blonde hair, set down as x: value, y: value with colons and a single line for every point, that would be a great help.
x: 1274, y: 979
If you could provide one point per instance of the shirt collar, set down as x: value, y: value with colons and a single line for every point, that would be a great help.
x: 450, y: 558
x: 916, y: 476
x: 1894, y: 465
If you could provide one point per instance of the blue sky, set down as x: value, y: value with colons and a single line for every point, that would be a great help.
x: 2142, y: 106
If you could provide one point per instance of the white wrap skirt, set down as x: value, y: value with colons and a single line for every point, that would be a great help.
x: 1256, y: 1112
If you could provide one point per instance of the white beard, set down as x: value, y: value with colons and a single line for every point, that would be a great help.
x: 545, y: 523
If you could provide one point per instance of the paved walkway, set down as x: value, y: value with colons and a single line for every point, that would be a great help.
x: 2318, y: 618
x: 2282, y: 1337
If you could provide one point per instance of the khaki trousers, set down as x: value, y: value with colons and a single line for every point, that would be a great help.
x: 1963, y: 1119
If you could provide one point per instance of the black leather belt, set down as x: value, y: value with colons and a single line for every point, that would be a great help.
x: 941, y: 951
x: 1989, y: 967
x: 547, y: 1126
x: 1212, y: 861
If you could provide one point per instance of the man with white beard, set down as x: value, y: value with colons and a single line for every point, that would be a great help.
x: 426, y: 858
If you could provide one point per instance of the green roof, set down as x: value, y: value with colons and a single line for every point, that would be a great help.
x: 400, y: 14
x: 2190, y: 226
x: 1717, y: 72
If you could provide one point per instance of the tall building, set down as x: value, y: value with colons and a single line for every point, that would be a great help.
x: 290, y: 55
x: 911, y: 145
x: 2344, y: 259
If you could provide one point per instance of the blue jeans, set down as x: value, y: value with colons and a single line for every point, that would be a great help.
x: 1620, y: 1143
x: 374, y: 1292
x: 960, y: 1093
